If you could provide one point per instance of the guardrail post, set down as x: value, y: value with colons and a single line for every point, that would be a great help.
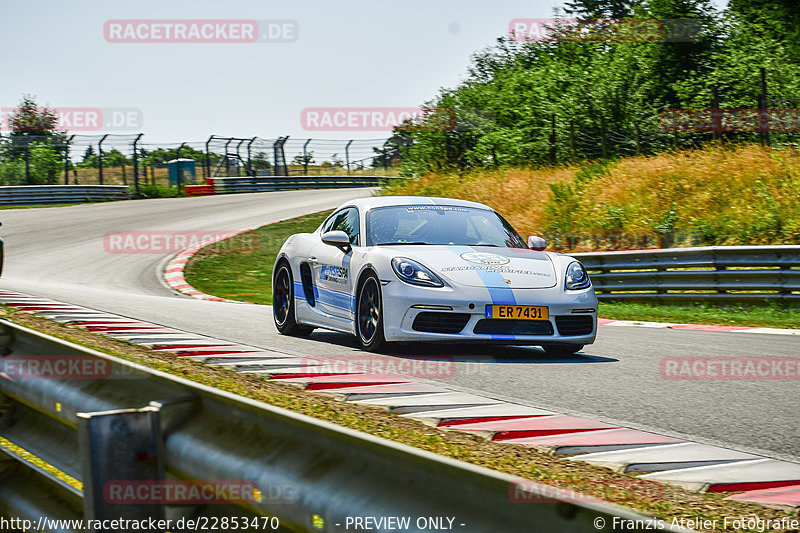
x: 122, y: 458
x: 100, y: 158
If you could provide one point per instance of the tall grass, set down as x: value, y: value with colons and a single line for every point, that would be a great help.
x: 718, y: 195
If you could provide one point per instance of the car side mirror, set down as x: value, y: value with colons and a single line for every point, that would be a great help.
x: 337, y: 238
x: 536, y: 243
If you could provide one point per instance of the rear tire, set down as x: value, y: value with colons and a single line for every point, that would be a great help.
x: 563, y: 350
x: 283, y: 303
x: 369, y: 315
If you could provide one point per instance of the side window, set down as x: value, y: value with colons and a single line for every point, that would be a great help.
x: 345, y: 220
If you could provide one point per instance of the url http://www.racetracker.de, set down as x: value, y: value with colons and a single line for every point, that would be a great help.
x: 144, y: 525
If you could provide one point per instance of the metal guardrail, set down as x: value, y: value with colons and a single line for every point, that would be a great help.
x: 712, y: 273
x: 140, y: 424
x: 285, y: 183
x: 61, y: 194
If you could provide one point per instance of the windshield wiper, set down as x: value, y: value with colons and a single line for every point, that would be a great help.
x: 399, y: 243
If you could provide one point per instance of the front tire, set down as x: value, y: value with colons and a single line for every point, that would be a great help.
x: 283, y: 303
x: 369, y: 315
x: 563, y: 350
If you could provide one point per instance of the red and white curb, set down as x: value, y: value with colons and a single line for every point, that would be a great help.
x: 657, y: 457
x: 173, y: 274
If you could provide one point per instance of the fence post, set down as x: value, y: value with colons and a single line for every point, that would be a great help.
x: 238, y: 156
x: 572, y: 140
x: 136, y: 164
x: 27, y: 163
x: 716, y: 119
x: 100, y: 158
x: 603, y: 132
x: 180, y: 166
x: 385, y: 158
x: 207, y: 166
x: 250, y: 171
x: 675, y: 133
x: 66, y: 160
x: 763, y: 118
x: 347, y: 153
x: 305, y: 157
x: 279, y: 157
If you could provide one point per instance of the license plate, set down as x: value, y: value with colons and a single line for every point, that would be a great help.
x: 519, y: 312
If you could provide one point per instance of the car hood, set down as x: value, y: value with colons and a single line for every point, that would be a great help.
x: 484, y: 266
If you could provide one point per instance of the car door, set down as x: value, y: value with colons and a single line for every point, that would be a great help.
x: 330, y: 266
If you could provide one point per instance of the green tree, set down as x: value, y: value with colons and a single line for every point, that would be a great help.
x: 29, y: 120
x: 301, y: 159
x: 599, y: 9
x: 778, y: 19
x: 45, y: 164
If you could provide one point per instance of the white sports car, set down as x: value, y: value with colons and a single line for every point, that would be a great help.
x: 408, y: 269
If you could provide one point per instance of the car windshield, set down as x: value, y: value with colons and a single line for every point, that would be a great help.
x: 440, y: 224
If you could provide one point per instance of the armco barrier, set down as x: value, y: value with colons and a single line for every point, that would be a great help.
x: 713, y: 273
x: 61, y: 194
x: 285, y: 183
x: 131, y: 424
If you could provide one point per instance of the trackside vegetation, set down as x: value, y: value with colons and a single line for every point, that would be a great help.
x: 720, y: 195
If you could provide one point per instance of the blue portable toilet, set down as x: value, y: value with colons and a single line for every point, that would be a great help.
x: 182, y: 171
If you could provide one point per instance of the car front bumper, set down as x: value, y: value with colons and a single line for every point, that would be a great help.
x: 403, y: 303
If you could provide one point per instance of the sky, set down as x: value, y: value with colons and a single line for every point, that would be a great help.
x: 350, y: 55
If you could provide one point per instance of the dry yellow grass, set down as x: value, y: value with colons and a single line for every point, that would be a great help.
x: 519, y: 194
x: 718, y: 195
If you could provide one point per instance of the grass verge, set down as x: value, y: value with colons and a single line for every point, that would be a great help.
x: 766, y: 315
x: 42, y: 205
x: 242, y: 270
x: 667, y: 502
x: 244, y: 273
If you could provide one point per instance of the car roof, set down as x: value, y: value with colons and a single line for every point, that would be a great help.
x: 365, y: 204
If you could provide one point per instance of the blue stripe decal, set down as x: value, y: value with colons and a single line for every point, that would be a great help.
x: 332, y: 298
x: 499, y: 295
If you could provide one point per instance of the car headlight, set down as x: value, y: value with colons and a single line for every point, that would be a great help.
x: 414, y: 273
x: 577, y: 278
